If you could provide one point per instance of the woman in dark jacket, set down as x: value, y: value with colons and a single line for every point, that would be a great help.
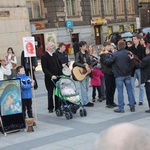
x: 144, y: 65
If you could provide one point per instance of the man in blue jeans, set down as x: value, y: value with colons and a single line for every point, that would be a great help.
x: 122, y: 68
x: 82, y: 60
x: 138, y: 50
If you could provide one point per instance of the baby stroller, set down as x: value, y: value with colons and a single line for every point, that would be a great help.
x: 69, y: 98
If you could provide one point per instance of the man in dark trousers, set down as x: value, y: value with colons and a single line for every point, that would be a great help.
x: 52, y: 69
x: 109, y: 78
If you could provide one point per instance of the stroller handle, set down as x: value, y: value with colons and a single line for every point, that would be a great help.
x: 58, y: 77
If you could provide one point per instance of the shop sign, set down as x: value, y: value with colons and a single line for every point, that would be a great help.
x: 97, y: 21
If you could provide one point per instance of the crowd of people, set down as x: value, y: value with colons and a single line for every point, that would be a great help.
x: 108, y: 69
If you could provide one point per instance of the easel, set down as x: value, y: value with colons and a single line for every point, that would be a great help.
x: 30, y: 51
x: 11, y: 116
x: 11, y: 128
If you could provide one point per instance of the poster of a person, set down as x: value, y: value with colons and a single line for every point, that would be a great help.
x: 29, y: 47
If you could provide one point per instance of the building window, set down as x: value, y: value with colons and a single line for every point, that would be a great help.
x: 108, y: 7
x: 119, y: 7
x: 95, y: 7
x: 121, y: 28
x: 110, y: 30
x: 130, y: 6
x: 131, y: 28
x: 34, y: 8
x: 71, y: 6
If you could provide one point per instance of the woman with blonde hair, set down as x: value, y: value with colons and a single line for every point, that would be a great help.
x: 91, y: 50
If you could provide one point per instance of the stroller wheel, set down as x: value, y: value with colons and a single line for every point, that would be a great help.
x: 58, y: 113
x: 67, y: 115
x: 81, y: 113
x: 71, y: 115
x: 84, y: 112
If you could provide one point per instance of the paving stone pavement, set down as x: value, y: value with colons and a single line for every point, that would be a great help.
x: 79, y: 133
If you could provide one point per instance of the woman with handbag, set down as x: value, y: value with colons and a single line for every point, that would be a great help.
x: 12, y: 61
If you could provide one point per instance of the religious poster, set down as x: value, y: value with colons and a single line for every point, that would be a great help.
x: 51, y: 37
x: 29, y: 47
x: 10, y: 97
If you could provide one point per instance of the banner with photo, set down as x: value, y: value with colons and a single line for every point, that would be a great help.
x: 10, y: 97
x: 29, y: 46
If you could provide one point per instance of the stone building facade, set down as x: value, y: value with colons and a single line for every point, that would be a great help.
x: 14, y: 24
x: 93, y: 20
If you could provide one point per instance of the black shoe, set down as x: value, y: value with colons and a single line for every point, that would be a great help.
x: 93, y: 100
x: 100, y: 100
x: 140, y: 103
x: 115, y: 105
x: 103, y: 98
x: 34, y: 124
x: 89, y: 104
x: 147, y: 111
x: 50, y: 111
x: 119, y: 111
x: 132, y: 109
x: 109, y: 106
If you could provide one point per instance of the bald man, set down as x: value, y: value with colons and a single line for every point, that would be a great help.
x: 123, y: 136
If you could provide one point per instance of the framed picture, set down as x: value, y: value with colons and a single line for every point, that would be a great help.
x: 10, y: 97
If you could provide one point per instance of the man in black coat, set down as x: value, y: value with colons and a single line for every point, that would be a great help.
x: 52, y: 69
x: 63, y: 55
x: 109, y: 78
x: 144, y: 65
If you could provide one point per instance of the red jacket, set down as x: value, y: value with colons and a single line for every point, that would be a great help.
x: 96, y: 77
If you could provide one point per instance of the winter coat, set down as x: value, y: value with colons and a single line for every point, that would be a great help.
x: 106, y: 69
x: 121, y: 63
x: 63, y: 57
x: 96, y: 77
x: 144, y: 65
x: 26, y: 86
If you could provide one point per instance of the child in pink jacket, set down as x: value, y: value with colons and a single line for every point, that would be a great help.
x: 96, y: 82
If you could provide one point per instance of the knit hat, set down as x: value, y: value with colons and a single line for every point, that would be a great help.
x: 98, y: 66
x: 112, y: 44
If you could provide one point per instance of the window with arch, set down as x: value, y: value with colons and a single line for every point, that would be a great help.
x: 34, y: 8
x: 108, y: 7
x: 119, y: 7
x: 130, y: 6
x: 95, y: 7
